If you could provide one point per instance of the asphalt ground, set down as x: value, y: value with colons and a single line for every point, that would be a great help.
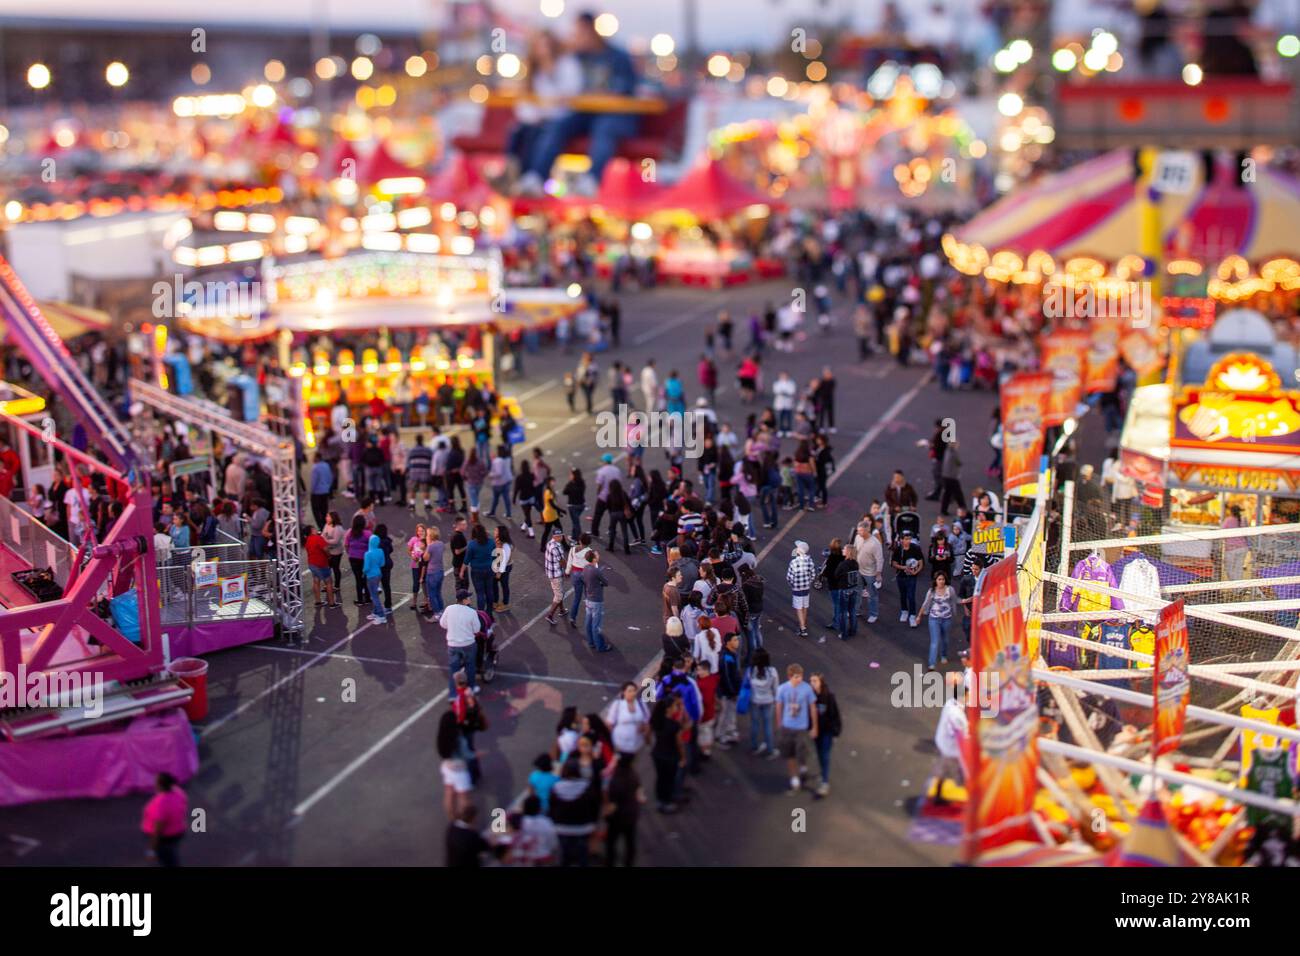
x: 293, y: 774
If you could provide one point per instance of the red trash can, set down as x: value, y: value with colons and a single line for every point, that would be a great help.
x: 193, y: 673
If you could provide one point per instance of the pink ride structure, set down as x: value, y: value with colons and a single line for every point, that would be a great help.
x: 53, y: 751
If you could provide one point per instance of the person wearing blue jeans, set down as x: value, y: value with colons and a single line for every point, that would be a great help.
x: 806, y: 485
x: 458, y: 659
x: 940, y: 603
x: 478, y: 556
x: 595, y: 617
x: 462, y: 623
x: 763, y: 681
x: 848, y: 585
x: 850, y: 601
x: 767, y: 502
x: 907, y: 561
x: 481, y: 578
x: 373, y: 569
x: 753, y: 635
x: 500, y: 493
x: 837, y: 607
x: 828, y: 728
x: 433, y: 588
x: 578, y: 562
x: 873, y: 599
x: 594, y: 582
x: 605, y: 69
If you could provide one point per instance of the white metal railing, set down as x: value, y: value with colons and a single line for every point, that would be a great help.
x: 34, y: 542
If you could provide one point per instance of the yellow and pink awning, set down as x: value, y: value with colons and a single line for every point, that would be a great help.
x: 1090, y: 212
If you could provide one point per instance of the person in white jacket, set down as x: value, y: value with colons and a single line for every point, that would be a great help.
x: 784, y: 392
x: 950, y: 735
x: 650, y: 386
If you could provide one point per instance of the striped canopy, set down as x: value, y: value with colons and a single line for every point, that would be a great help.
x: 1090, y: 210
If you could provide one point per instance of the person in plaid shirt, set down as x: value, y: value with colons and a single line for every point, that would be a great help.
x: 554, y: 561
x: 800, y: 576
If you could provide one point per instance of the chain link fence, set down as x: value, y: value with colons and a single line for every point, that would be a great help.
x: 187, y: 602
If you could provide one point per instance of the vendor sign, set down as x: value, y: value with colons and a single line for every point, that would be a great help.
x: 1138, y: 347
x: 234, y: 590
x: 1003, y: 750
x: 1240, y: 407
x: 1065, y: 356
x: 1103, y: 355
x: 1186, y: 312
x: 1172, y: 687
x: 1024, y: 407
x: 995, y: 539
x: 1248, y: 480
x: 205, y: 574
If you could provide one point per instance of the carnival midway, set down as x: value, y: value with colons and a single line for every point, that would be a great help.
x: 518, y: 434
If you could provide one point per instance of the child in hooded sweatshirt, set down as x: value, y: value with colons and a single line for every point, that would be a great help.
x: 707, y: 681
x: 373, y: 569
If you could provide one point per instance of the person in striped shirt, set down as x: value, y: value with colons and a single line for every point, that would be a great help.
x: 554, y: 563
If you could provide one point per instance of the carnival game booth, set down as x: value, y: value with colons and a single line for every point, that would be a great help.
x: 1223, y: 440
x: 108, y: 716
x: 1123, y: 713
x: 712, y: 213
x: 319, y: 308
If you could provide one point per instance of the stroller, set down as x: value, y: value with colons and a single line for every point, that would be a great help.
x: 910, y: 521
x: 485, y: 662
x: 819, y: 579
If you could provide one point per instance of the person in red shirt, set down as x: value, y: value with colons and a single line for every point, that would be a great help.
x: 318, y: 561
x: 707, y: 682
x: 11, y: 467
x: 165, y: 818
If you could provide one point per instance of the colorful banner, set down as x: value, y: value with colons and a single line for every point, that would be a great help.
x: 1065, y: 356
x: 1172, y: 687
x: 1002, y: 752
x: 1103, y: 355
x: 205, y: 574
x: 1138, y: 347
x: 234, y: 590
x: 1024, y: 407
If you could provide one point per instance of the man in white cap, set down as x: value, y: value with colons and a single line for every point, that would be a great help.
x: 799, y: 575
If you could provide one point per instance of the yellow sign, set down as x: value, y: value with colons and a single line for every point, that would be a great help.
x: 1257, y: 480
x: 989, y: 540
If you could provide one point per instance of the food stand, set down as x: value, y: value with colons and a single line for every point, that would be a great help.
x: 1228, y: 438
x: 388, y: 325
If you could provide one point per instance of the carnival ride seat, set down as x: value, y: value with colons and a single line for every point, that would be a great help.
x: 661, y: 135
x: 1219, y: 113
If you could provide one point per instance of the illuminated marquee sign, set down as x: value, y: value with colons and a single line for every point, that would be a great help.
x: 1256, y: 480
x: 1241, y: 406
x: 1179, y: 312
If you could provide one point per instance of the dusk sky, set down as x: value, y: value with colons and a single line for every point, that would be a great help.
x: 721, y: 21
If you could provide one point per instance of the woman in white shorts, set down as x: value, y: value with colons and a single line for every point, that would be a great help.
x: 456, y: 782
